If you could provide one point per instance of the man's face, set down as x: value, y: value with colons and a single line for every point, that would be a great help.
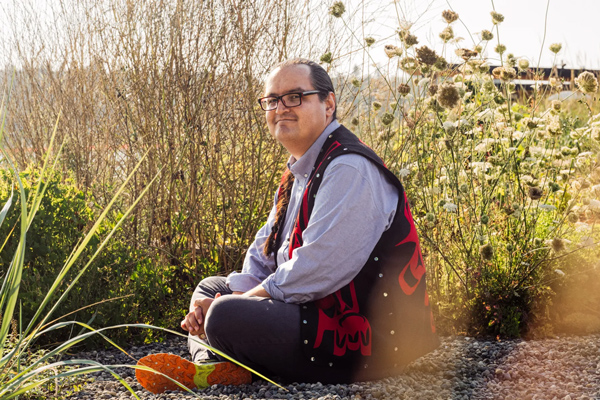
x: 297, y: 128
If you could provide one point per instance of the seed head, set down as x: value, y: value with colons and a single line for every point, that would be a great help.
x: 387, y: 118
x: 510, y: 60
x: 326, y: 58
x: 440, y: 64
x: 337, y: 9
x: 426, y: 55
x: 430, y: 217
x: 403, y: 89
x: 486, y: 252
x: 523, y: 64
x: 406, y: 38
x: 500, y: 48
x: 447, y: 34
x: 376, y: 105
x: 556, y: 105
x: 485, y: 219
x: 369, y: 41
x: 449, y: 16
x: 465, y: 54
x: 486, y: 35
x: 432, y: 89
x: 558, y: 245
x: 587, y: 82
x: 573, y: 217
x: 555, y: 47
x: 510, y: 247
x: 354, y: 121
x: 392, y: 51
x: 409, y: 64
x: 535, y: 193
x: 496, y: 17
x: 447, y: 95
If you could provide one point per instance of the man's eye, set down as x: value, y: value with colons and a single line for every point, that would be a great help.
x: 293, y: 97
x: 270, y: 101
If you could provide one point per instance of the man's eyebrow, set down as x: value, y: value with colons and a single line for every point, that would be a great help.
x: 296, y: 89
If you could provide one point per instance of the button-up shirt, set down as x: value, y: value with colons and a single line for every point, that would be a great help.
x: 355, y: 204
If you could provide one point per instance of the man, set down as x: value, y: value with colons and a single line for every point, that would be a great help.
x: 333, y: 287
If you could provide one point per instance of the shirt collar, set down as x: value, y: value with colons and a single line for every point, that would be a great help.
x: 303, y: 166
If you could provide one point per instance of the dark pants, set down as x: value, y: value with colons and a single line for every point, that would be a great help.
x: 262, y: 333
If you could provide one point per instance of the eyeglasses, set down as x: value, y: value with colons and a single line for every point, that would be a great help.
x: 289, y: 100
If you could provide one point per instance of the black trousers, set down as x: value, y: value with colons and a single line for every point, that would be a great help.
x: 262, y: 333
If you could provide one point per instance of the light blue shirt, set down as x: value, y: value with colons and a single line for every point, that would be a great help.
x: 355, y: 204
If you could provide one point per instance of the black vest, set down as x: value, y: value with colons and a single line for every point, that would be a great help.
x: 382, y: 319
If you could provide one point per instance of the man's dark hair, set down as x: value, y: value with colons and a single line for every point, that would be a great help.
x: 319, y: 78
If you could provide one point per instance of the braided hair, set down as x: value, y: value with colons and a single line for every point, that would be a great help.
x: 283, y: 200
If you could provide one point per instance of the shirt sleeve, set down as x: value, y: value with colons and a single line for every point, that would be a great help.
x: 348, y: 218
x: 257, y: 266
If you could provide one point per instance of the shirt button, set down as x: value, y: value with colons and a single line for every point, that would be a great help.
x: 306, y: 342
x: 306, y: 175
x: 392, y: 332
x: 376, y: 259
x: 312, y: 359
x: 381, y: 275
x: 305, y: 322
x: 384, y: 294
x: 395, y: 349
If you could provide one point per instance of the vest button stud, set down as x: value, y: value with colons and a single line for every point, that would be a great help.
x: 381, y: 275
x: 366, y: 365
x: 306, y: 342
x: 395, y: 349
x: 331, y: 364
x: 330, y: 136
x: 384, y: 294
x: 312, y: 359
x: 376, y: 259
x: 392, y: 332
x: 304, y: 322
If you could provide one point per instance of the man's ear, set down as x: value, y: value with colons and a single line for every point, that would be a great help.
x: 330, y: 103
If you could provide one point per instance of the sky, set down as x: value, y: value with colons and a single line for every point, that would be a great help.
x: 574, y: 23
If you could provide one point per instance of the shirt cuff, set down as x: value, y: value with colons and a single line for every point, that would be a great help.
x: 240, y: 282
x: 273, y: 290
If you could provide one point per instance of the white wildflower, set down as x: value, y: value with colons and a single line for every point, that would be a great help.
x: 559, y: 272
x: 450, y: 207
x: 403, y: 172
x: 547, y: 207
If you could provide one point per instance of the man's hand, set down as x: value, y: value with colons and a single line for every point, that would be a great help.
x: 194, y: 320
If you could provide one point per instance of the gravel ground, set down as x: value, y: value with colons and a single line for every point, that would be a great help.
x: 462, y: 368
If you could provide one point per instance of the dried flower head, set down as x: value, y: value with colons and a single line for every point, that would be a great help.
x: 369, y: 41
x: 440, y: 64
x: 432, y: 89
x: 392, y: 51
x: 504, y: 73
x: 355, y: 82
x: 496, y: 17
x: 555, y: 47
x: 409, y: 64
x: 387, y: 118
x: 426, y: 55
x: 587, y: 82
x: 535, y: 193
x: 327, y: 58
x: 556, y: 105
x: 376, y: 105
x: 510, y: 60
x: 558, y: 245
x: 523, y: 64
x: 354, y: 121
x: 500, y: 48
x: 337, y: 9
x: 447, y: 34
x: 449, y: 16
x: 406, y: 38
x: 573, y: 217
x: 465, y: 54
x: 430, y: 217
x: 486, y: 252
x: 484, y: 219
x: 403, y: 89
x: 447, y: 95
x: 486, y: 35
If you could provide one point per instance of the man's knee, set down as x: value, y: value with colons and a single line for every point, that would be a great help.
x: 223, y: 316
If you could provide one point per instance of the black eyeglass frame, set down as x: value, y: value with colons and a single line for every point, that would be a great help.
x: 280, y: 98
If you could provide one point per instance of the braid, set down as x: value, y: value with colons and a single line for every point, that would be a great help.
x: 283, y: 200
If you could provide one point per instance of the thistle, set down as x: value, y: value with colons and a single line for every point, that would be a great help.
x: 337, y: 9
x: 449, y: 16
x: 587, y: 82
x: 447, y: 95
x: 496, y: 17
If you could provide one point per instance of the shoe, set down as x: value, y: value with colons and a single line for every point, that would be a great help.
x: 188, y: 374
